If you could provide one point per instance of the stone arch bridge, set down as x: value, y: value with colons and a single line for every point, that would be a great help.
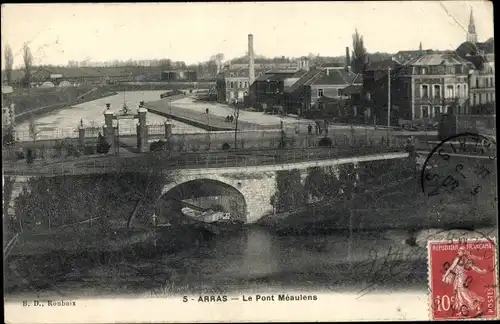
x: 256, y: 184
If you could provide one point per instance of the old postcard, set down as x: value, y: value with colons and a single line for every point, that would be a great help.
x: 249, y: 162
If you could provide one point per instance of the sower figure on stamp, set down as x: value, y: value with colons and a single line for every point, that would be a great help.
x: 465, y: 300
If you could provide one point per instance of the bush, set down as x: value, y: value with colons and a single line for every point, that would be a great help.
x: 103, y: 146
x: 30, y: 156
x: 226, y: 146
x: 157, y: 146
x: 8, y: 137
x: 325, y: 141
x: 89, y: 150
x: 20, y: 155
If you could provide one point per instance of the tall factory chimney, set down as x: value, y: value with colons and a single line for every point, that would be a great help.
x: 251, y: 68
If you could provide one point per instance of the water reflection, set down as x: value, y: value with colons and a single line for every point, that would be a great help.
x: 254, y: 258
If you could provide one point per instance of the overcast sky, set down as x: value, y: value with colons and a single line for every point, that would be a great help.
x: 192, y: 32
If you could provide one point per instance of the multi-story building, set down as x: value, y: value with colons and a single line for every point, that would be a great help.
x: 422, y: 88
x: 404, y: 56
x: 482, y: 85
x: 482, y: 76
x: 267, y: 89
x: 233, y: 82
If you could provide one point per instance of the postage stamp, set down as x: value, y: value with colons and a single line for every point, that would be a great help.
x: 463, y: 279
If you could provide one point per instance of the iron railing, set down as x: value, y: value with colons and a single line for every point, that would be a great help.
x: 158, y: 162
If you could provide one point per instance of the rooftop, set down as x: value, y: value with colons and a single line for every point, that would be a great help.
x: 436, y: 59
x: 306, y: 77
x: 383, y: 65
x: 335, y: 77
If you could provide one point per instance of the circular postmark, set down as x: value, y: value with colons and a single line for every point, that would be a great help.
x: 460, y: 173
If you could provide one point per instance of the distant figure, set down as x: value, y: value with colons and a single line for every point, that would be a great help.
x: 309, y: 129
x: 231, y: 118
x: 206, y: 111
x: 316, y: 129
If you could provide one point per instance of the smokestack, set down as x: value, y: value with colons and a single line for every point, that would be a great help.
x: 347, y: 58
x: 251, y: 68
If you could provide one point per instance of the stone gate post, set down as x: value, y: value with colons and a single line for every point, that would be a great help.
x: 142, y: 130
x: 108, y: 129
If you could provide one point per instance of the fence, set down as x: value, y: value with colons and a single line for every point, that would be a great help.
x: 69, y: 150
x: 482, y: 124
x: 249, y: 158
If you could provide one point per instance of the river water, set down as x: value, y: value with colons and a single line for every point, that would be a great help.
x: 252, y: 259
x: 64, y: 122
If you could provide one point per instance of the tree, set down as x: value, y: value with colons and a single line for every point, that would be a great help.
x: 28, y: 63
x: 9, y: 62
x: 358, y: 53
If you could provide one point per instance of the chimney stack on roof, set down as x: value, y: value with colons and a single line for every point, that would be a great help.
x: 251, y: 65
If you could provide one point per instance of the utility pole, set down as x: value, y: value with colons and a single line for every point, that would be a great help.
x: 388, y: 102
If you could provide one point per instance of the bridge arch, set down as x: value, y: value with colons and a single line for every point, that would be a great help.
x: 207, y: 192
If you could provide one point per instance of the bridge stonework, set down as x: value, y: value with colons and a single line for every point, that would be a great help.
x: 257, y: 184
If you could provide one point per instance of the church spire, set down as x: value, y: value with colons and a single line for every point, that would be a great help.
x: 471, y: 30
x: 420, y: 47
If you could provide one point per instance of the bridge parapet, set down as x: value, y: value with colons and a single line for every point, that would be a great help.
x: 278, y: 158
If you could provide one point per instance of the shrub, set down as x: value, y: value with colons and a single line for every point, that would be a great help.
x: 325, y: 141
x: 103, y: 146
x: 226, y: 146
x: 20, y: 155
x: 30, y: 156
x: 157, y: 146
x: 89, y: 150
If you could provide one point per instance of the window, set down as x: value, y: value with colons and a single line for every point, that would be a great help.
x: 425, y: 111
x: 425, y: 91
x: 449, y: 91
x: 246, y: 84
x: 446, y: 109
x: 320, y: 92
x: 464, y: 89
x: 474, y: 99
x: 232, y: 85
x: 449, y: 70
x: 241, y: 85
x: 477, y: 82
x: 492, y: 83
x: 437, y: 111
x: 458, y: 69
x: 437, y: 91
x: 339, y: 92
x: 459, y: 93
x: 424, y: 70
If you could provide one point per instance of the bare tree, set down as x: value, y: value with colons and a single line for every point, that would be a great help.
x: 28, y: 63
x: 9, y: 62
